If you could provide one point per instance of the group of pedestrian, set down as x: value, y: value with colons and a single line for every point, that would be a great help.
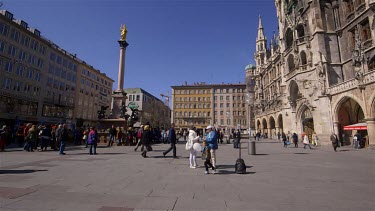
x: 39, y: 138
x: 210, y: 145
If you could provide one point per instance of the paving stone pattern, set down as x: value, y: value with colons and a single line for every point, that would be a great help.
x: 119, y: 179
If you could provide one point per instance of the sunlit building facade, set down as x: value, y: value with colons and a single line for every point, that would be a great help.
x: 40, y: 81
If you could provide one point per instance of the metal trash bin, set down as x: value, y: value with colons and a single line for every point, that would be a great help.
x: 252, y: 148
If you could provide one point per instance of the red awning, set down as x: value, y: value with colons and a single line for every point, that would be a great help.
x: 358, y: 126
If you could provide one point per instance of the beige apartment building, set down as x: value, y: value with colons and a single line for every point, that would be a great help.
x: 40, y: 81
x: 201, y: 104
x: 94, y: 91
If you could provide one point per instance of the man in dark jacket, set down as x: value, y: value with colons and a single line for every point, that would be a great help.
x: 295, y: 140
x: 146, y: 140
x: 237, y: 139
x: 62, y: 137
x: 112, y: 135
x: 172, y: 140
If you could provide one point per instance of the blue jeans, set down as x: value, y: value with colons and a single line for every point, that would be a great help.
x: 93, y: 146
x: 30, y: 146
x: 62, y: 147
x: 111, y: 140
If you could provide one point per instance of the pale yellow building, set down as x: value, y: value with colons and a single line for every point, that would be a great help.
x: 201, y: 104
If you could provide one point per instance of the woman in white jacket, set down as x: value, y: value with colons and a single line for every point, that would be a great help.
x: 192, y: 139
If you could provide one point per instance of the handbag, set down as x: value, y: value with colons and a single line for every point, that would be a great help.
x: 287, y: 143
x: 188, y: 146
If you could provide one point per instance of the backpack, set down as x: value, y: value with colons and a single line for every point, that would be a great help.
x: 240, y: 166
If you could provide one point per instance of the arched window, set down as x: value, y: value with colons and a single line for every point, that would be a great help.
x: 189, y: 114
x: 176, y: 114
x: 185, y: 114
x: 194, y: 114
x: 288, y: 38
x: 291, y: 65
x: 199, y: 114
x: 303, y: 58
x: 300, y: 31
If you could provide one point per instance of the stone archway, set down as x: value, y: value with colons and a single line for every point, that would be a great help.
x: 280, y: 123
x: 272, y: 127
x: 348, y: 112
x: 264, y: 126
x: 306, y: 121
x: 293, y: 95
x: 258, y: 126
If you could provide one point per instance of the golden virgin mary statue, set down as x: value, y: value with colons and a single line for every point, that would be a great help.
x: 123, y: 31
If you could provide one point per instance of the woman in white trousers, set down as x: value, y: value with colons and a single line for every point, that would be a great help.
x: 192, y: 139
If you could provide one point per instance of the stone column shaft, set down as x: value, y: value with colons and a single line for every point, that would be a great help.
x: 121, y: 70
x: 371, y: 131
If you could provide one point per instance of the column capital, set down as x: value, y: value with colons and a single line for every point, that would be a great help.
x: 123, y: 43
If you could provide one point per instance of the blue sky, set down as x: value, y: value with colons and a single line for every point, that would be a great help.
x: 170, y: 41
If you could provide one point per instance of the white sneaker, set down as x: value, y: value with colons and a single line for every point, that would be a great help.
x: 192, y: 167
x: 196, y: 166
x: 206, y: 172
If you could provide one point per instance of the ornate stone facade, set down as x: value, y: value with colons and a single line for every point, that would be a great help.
x: 318, y: 74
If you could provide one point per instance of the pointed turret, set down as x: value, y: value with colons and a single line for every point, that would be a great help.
x: 260, y: 30
x: 261, y: 46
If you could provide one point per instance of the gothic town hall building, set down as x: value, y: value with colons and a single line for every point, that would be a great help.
x: 318, y: 74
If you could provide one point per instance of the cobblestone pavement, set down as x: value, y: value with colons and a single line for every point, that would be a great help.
x: 119, y: 179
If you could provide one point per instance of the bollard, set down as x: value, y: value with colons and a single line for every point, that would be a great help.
x: 252, y: 147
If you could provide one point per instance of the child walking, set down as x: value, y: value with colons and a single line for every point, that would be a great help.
x: 206, y: 156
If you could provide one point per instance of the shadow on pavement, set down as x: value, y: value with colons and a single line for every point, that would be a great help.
x: 219, y: 167
x: 232, y: 172
x: 98, y: 153
x: 19, y: 171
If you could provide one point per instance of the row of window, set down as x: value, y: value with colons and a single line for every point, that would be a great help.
x: 20, y: 70
x: 227, y: 98
x: 95, y: 77
x: 19, y: 86
x: 192, y: 114
x: 134, y: 97
x: 218, y: 91
x: 199, y: 91
x: 56, y: 58
x: 203, y: 105
x: 91, y: 85
x: 61, y: 98
x: 62, y: 86
x: 21, y: 38
x: 234, y: 105
x: 235, y: 113
x: 62, y: 73
x: 235, y: 122
x: 20, y: 55
x: 192, y: 122
x: 56, y: 111
x: 190, y: 99
x: 21, y: 107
